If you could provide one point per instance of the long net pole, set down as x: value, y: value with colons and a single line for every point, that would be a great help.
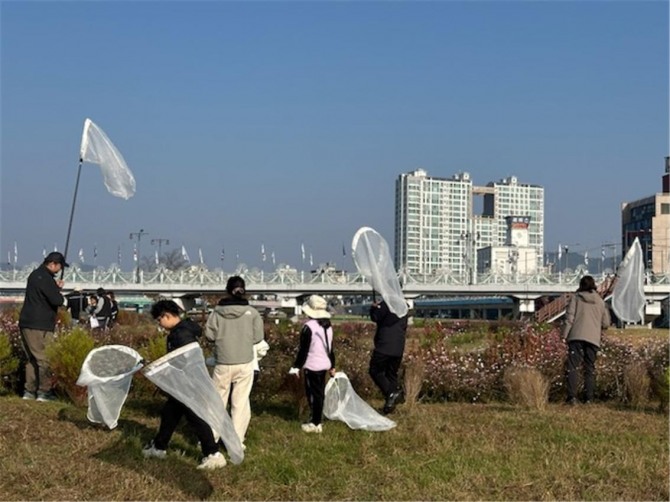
x: 69, y: 226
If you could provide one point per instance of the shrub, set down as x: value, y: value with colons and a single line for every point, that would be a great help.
x: 9, y: 363
x: 66, y: 355
x: 9, y: 325
x: 153, y: 349
x: 660, y: 385
x: 527, y: 387
x: 415, y: 372
x: 636, y: 384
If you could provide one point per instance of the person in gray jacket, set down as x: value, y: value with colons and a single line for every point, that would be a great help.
x: 585, y: 318
x: 235, y: 327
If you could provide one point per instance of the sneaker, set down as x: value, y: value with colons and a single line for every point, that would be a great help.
x: 150, y: 451
x: 44, y: 397
x: 213, y: 461
x: 392, y: 400
x: 571, y: 401
x: 27, y: 395
x: 310, y: 427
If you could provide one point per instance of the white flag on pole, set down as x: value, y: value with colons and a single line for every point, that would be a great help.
x: 81, y: 255
x: 202, y: 261
x: 628, y: 296
x: 586, y: 257
x: 184, y: 254
x: 97, y: 148
x: 302, y: 251
x: 16, y: 253
x: 156, y: 257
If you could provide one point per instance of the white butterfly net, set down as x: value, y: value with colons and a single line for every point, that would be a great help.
x: 97, y: 148
x: 342, y: 403
x: 373, y: 259
x: 628, y: 296
x: 107, y: 372
x: 182, y: 374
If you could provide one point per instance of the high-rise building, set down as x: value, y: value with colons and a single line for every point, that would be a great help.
x: 649, y: 220
x: 438, y: 232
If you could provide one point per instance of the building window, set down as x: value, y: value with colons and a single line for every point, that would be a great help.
x: 665, y: 208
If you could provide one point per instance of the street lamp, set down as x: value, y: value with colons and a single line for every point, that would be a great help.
x: 566, y: 249
x: 160, y: 242
x: 138, y: 236
x: 612, y: 246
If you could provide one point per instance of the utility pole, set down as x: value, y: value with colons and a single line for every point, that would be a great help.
x: 138, y: 236
x: 160, y: 242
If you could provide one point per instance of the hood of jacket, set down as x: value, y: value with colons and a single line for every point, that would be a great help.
x: 588, y: 296
x: 232, y: 311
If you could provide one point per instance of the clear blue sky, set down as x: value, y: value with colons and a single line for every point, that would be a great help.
x: 278, y: 123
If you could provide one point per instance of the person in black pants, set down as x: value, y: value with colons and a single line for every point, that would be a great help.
x: 77, y: 301
x: 181, y: 332
x: 316, y: 357
x: 387, y: 354
x: 585, y: 319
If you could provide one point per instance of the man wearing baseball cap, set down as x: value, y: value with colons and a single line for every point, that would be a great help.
x: 37, y: 323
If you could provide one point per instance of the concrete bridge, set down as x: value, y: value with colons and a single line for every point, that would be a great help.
x: 287, y: 284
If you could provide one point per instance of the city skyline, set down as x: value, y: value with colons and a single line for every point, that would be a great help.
x: 286, y: 124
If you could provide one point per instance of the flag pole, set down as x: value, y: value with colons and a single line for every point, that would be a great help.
x: 69, y: 226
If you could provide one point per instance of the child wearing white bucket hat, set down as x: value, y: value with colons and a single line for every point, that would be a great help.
x: 316, y: 357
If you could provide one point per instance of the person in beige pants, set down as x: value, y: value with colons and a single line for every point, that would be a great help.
x: 235, y: 327
x: 37, y: 322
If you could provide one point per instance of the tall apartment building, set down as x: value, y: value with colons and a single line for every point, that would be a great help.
x: 649, y: 220
x: 437, y: 230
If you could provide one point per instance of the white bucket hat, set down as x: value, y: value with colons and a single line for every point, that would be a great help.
x: 315, y: 307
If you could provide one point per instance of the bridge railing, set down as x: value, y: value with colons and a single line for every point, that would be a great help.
x: 200, y: 275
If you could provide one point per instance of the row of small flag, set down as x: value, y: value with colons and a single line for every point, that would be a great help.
x: 184, y: 254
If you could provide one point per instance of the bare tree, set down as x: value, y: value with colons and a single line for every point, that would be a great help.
x: 171, y: 260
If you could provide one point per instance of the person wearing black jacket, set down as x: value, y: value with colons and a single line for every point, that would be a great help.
x: 181, y: 332
x: 102, y: 308
x: 316, y: 357
x: 77, y: 301
x: 37, y: 322
x: 389, y: 346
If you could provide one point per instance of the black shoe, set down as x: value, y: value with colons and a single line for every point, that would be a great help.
x: 393, y: 399
x: 571, y: 401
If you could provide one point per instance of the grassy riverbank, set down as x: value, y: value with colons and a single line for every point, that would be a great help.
x: 452, y: 451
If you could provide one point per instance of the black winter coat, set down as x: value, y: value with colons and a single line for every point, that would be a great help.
x: 182, y: 334
x: 390, y: 334
x: 42, y: 299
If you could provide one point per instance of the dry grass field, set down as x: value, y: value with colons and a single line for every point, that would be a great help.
x: 449, y: 451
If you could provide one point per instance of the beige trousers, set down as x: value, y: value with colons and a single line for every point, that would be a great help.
x: 38, y: 373
x: 234, y: 381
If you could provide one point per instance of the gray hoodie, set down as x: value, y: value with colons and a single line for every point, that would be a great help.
x: 586, y: 317
x: 234, y: 329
